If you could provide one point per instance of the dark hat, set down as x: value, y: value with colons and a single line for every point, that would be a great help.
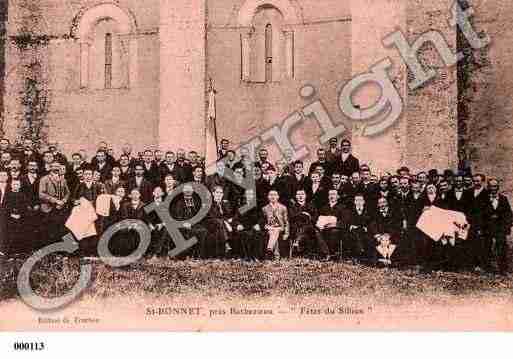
x: 433, y: 172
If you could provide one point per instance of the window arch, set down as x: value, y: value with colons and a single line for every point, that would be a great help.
x: 267, y: 39
x: 108, y: 47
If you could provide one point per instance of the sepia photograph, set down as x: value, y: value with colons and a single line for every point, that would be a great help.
x: 255, y: 165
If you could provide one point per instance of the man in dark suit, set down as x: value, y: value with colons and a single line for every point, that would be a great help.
x: 359, y: 220
x: 478, y: 202
x: 334, y: 234
x: 218, y: 179
x: 151, y: 170
x: 54, y: 195
x: 101, y: 165
x: 183, y: 208
x: 321, y: 161
x: 497, y: 226
x: 144, y: 186
x: 248, y: 240
x: 29, y: 153
x: 332, y: 152
x: 298, y: 179
x: 385, y: 230
x: 125, y: 168
x: 317, y: 194
x: 225, y: 147
x: 4, y: 189
x: 303, y: 217
x: 347, y: 164
x: 219, y: 222
x: 184, y: 166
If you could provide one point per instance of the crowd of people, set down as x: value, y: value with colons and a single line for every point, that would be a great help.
x: 334, y: 209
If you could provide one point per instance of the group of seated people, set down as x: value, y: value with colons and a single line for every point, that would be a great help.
x: 260, y: 210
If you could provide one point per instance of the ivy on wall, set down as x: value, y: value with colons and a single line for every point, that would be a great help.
x: 469, y: 68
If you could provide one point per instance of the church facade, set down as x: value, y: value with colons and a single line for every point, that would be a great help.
x: 78, y: 72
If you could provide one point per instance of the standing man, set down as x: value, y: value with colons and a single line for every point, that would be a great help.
x: 497, y: 226
x: 347, y: 164
x: 333, y: 152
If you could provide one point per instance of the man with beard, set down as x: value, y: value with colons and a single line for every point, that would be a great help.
x: 303, y: 217
x: 246, y: 161
x: 57, y: 155
x: 497, y: 227
x: 346, y: 164
x: 184, y: 208
x: 184, y: 166
x: 15, y: 169
x: 54, y: 195
x: 30, y: 185
x: 5, y: 160
x: 321, y: 161
x: 263, y: 160
x: 29, y: 153
x: 333, y: 152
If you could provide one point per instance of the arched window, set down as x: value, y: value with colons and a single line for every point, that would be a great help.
x: 267, y: 40
x: 108, y: 47
x: 268, y: 53
x: 108, y: 60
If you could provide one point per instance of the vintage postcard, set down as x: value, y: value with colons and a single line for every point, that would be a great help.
x: 256, y: 165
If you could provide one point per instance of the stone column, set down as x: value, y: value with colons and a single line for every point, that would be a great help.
x: 84, y: 64
x: 384, y: 151
x: 245, y: 53
x: 182, y: 74
x: 288, y: 35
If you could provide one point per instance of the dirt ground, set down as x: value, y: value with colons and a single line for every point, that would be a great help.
x: 232, y: 295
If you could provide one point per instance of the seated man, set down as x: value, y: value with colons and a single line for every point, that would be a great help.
x: 360, y: 246
x: 332, y: 223
x: 276, y: 223
x: 219, y: 225
x: 159, y: 236
x: 248, y: 238
x: 184, y: 208
x: 303, y: 217
x: 385, y: 230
